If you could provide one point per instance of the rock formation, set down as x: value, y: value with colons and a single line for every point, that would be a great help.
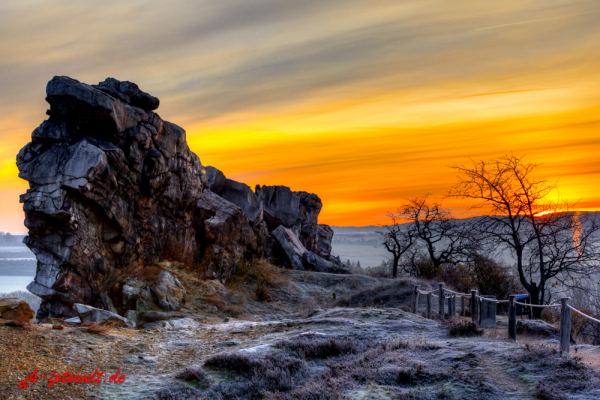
x: 115, y: 189
x: 15, y: 310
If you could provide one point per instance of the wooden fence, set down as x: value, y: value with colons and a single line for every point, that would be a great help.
x: 483, y: 310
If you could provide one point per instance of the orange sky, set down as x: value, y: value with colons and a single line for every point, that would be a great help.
x: 363, y: 105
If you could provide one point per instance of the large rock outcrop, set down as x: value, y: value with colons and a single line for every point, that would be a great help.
x: 114, y: 189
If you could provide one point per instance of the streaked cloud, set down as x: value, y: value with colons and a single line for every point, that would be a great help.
x: 362, y: 103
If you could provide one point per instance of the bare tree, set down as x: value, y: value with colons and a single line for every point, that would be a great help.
x: 416, y: 262
x: 397, y: 240
x: 444, y: 238
x: 548, y: 240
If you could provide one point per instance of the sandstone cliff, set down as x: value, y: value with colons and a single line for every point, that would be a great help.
x: 114, y: 189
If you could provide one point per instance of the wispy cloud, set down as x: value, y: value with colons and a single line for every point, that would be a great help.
x: 363, y: 104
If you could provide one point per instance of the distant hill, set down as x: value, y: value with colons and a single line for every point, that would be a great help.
x: 8, y: 239
x: 15, y: 258
x: 349, y: 230
x: 362, y: 243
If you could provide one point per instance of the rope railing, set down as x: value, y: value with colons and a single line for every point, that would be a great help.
x: 483, y: 310
x: 537, y: 305
x: 585, y: 315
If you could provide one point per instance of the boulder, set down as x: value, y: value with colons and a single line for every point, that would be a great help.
x: 88, y: 107
x: 226, y: 235
x: 90, y: 315
x: 313, y: 262
x: 128, y: 92
x: 310, y: 206
x: 169, y: 291
x: 536, y: 327
x: 237, y: 193
x: 280, y: 207
x: 325, y: 236
x: 291, y: 247
x: 153, y: 316
x: 132, y: 315
x: 242, y: 196
x: 215, y: 180
x: 182, y: 323
x: 15, y: 310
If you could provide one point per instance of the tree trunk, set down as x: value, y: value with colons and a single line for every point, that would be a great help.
x: 535, y: 299
x: 395, y: 267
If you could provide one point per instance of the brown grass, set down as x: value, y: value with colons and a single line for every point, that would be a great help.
x: 463, y: 328
x: 99, y: 328
x: 258, y: 271
x: 223, y: 306
x: 262, y: 292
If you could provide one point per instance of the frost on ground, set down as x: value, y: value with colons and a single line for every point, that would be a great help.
x: 358, y: 351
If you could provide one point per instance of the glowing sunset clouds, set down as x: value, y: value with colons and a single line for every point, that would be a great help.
x: 363, y: 103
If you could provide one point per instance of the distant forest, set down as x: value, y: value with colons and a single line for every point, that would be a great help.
x: 8, y: 239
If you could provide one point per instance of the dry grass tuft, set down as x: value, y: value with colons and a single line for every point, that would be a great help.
x: 307, y: 346
x: 98, y: 328
x: 464, y: 329
x: 262, y: 292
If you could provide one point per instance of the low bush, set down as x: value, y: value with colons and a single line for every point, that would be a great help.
x: 307, y: 346
x: 235, y: 362
x: 194, y: 374
x: 262, y: 291
x: 176, y: 392
x: 397, y: 295
x: 464, y: 329
x: 548, y: 391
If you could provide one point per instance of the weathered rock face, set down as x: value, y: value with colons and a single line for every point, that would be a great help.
x: 114, y: 188
x: 110, y: 182
x: 272, y: 207
x: 90, y: 315
x: 225, y: 235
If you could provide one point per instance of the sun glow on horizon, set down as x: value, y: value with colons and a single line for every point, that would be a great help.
x: 365, y: 106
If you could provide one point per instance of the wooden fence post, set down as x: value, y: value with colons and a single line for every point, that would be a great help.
x: 474, y: 305
x: 441, y: 299
x: 414, y: 299
x: 512, y: 317
x: 417, y: 299
x: 428, y: 311
x: 462, y: 306
x: 565, y: 326
x: 454, y: 305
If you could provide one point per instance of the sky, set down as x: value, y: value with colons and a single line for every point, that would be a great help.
x: 365, y: 103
